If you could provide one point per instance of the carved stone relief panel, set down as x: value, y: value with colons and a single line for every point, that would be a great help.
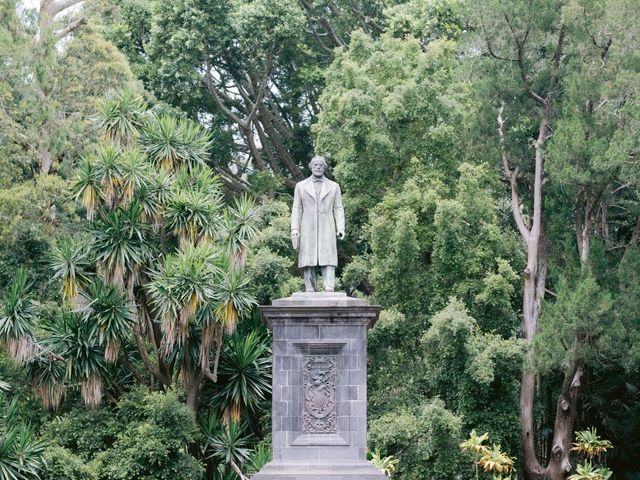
x: 319, y: 384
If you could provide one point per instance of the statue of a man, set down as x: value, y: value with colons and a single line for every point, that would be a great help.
x: 316, y: 218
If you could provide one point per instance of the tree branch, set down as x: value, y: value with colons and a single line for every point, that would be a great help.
x: 512, y: 176
x: 325, y: 22
x: 238, y: 471
x: 557, y: 57
x: 60, y: 34
x: 520, y: 49
x: 54, y: 8
x: 489, y: 46
x: 142, y: 349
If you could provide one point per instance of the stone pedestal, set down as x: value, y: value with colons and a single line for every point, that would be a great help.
x: 319, y: 419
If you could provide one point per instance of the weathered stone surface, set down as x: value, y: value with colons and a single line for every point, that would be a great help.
x: 304, y: 471
x: 319, y: 387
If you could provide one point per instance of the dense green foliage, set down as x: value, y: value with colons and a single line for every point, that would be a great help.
x: 148, y: 151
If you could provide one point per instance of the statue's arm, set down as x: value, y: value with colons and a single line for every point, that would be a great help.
x: 296, y: 210
x: 338, y: 213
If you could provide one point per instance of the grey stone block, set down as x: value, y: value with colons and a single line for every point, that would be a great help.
x: 302, y: 471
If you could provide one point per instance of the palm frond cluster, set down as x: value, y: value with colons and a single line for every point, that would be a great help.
x: 155, y: 279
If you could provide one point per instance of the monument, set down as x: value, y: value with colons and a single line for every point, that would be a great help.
x: 319, y: 404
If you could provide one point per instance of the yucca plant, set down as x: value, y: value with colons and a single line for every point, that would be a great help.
x: 135, y: 172
x: 187, y: 280
x: 245, y: 370
x: 233, y: 297
x: 228, y: 444
x: 108, y: 168
x: 21, y: 454
x: 196, y: 143
x: 192, y: 216
x: 120, y: 117
x: 70, y: 262
x: 241, y: 226
x: 18, y: 318
x: 154, y: 196
x: 88, y: 186
x: 172, y: 143
x: 120, y: 243
x: 47, y: 374
x: 258, y: 458
x: 110, y: 316
x: 200, y: 178
x: 72, y: 338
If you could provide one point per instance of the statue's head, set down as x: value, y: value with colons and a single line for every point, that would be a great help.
x: 317, y: 165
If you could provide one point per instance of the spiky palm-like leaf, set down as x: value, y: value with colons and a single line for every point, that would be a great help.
x: 154, y: 196
x: 187, y: 280
x: 192, y: 216
x: 120, y: 116
x: 88, y: 186
x: 183, y: 357
x: 245, y: 369
x: 109, y: 172
x: 21, y: 454
x: 241, y: 226
x: 18, y: 318
x: 135, y: 172
x: 233, y: 298
x: 121, y: 243
x: 70, y: 262
x: 47, y: 378
x: 386, y: 465
x: 71, y: 337
x: 199, y: 179
x: 226, y: 443
x: 172, y: 143
x: 110, y: 316
x: 259, y: 457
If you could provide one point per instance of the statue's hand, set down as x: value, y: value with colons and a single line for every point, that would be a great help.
x: 340, y: 234
x: 295, y: 239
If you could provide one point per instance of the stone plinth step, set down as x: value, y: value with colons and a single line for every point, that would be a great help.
x: 360, y: 470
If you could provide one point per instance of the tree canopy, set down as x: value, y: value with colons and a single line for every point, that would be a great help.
x: 488, y: 157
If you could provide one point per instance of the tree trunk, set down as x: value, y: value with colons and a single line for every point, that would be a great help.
x: 281, y: 151
x: 192, y: 393
x: 560, y: 464
x: 266, y: 147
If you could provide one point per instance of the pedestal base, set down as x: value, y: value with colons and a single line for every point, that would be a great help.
x: 319, y: 386
x: 359, y: 470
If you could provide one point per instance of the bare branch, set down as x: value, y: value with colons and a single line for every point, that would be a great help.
x: 512, y: 176
x: 557, y: 57
x: 54, y: 8
x: 238, y: 471
x: 142, y: 349
x: 60, y: 34
x: 244, y: 123
x: 489, y: 46
x: 325, y: 22
x: 521, y: 66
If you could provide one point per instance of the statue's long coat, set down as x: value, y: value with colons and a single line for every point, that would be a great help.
x: 318, y: 220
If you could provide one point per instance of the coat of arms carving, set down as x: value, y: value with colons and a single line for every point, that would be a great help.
x: 319, y: 381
